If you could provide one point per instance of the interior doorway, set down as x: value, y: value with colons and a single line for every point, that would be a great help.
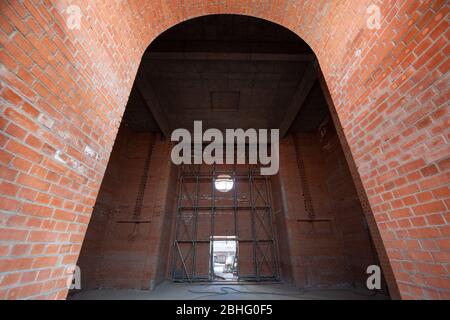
x: 225, y: 258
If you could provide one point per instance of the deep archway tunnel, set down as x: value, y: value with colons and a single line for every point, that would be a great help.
x: 384, y: 87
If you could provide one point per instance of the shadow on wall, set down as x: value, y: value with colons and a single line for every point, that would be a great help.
x: 327, y: 242
x: 126, y: 244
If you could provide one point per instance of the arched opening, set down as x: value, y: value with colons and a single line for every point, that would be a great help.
x: 155, y: 222
x: 66, y: 82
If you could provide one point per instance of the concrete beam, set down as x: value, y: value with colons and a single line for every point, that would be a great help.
x: 300, y: 95
x: 230, y: 56
x: 152, y: 103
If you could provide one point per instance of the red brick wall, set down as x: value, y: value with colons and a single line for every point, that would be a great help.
x: 280, y: 229
x: 160, y: 198
x: 357, y: 246
x: 65, y: 89
x: 334, y: 249
x: 119, y: 255
x: 101, y: 228
x: 115, y: 252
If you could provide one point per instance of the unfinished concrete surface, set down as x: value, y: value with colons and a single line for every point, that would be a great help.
x: 364, y: 159
x: 268, y: 291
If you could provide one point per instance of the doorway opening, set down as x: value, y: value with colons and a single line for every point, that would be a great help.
x: 156, y: 222
x: 225, y: 258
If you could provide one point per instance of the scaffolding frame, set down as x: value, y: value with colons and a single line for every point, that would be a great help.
x: 186, y: 243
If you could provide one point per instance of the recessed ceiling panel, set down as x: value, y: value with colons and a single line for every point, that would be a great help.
x: 225, y: 101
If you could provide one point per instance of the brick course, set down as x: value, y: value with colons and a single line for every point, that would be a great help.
x: 63, y: 90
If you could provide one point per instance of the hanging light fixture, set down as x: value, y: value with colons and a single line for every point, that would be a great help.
x: 223, y: 183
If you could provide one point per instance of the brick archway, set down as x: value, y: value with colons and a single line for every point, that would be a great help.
x: 65, y: 90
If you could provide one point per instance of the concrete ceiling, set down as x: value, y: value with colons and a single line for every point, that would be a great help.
x: 230, y: 72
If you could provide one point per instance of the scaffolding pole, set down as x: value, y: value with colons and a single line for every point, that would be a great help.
x: 189, y: 211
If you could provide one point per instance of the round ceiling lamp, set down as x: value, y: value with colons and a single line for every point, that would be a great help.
x: 223, y: 183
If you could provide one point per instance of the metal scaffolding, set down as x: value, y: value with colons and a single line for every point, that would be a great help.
x: 203, y: 214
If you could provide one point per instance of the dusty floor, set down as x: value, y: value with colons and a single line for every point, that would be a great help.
x: 224, y: 291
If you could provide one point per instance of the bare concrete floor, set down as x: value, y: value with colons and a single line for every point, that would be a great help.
x: 224, y: 291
